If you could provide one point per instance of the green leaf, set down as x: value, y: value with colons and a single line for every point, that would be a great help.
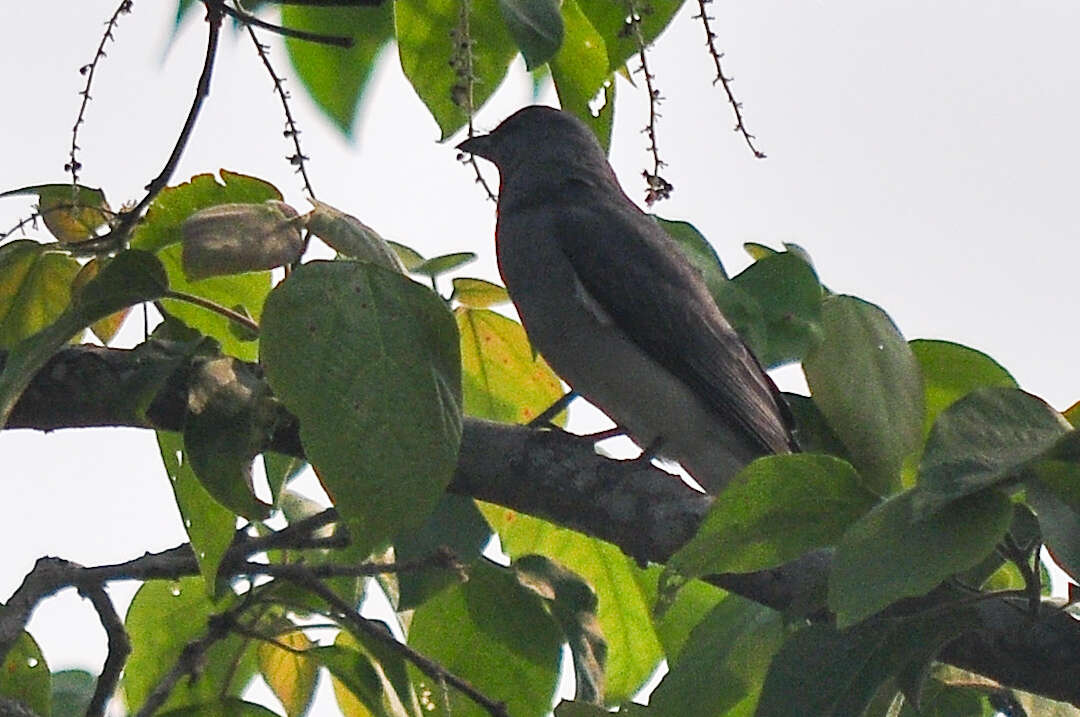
x: 167, y: 213
x: 580, y: 709
x: 455, y: 524
x: 722, y: 667
x: 35, y: 288
x: 502, y: 379
x: 246, y: 291
x: 281, y: 469
x: 335, y: 77
x: 836, y: 673
x: 790, y: 295
x: 290, y: 674
x: 107, y: 328
x: 536, y: 26
x: 368, y: 360
x: 776, y: 509
x: 72, y: 691
x: 408, y: 256
x: 609, y: 18
x: 983, y: 440
x: 353, y: 672
x: 24, y: 675
x: 757, y: 251
x: 890, y: 554
x: 866, y: 381
x: 161, y: 230
x: 1059, y: 524
x: 944, y: 700
x: 812, y: 431
x: 1072, y: 414
x: 744, y: 313
x: 696, y: 248
x: 573, y: 605
x: 951, y: 371
x: 230, y: 417
x: 130, y: 278
x: 164, y: 616
x: 427, y: 47
x: 478, y: 293
x: 494, y: 633
x: 694, y: 601
x: 437, y: 265
x: 624, y: 592
x: 71, y: 213
x: 398, y: 696
x: 223, y: 707
x: 580, y: 71
x: 209, y: 526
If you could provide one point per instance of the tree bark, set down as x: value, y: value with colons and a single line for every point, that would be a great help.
x: 557, y: 476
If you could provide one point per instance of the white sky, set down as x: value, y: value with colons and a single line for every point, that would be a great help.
x: 924, y: 153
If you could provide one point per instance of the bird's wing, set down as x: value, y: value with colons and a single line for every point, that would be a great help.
x: 638, y: 276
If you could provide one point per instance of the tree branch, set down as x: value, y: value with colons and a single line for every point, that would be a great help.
x: 553, y: 475
x: 119, y: 649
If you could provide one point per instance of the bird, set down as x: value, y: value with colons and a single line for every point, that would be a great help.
x: 609, y: 300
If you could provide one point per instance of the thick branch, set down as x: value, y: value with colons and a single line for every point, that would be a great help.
x: 554, y: 475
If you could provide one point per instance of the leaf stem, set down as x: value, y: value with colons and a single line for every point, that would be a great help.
x: 234, y: 316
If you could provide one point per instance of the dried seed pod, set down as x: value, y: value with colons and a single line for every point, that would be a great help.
x: 235, y: 238
x: 349, y: 236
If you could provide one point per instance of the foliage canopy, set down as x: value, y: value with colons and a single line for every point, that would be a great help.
x: 869, y: 574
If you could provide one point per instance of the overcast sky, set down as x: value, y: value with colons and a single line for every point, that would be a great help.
x: 925, y: 154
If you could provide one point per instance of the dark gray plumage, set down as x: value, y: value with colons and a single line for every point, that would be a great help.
x: 608, y: 299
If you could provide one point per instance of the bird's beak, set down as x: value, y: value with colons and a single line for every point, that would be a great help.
x: 481, y: 145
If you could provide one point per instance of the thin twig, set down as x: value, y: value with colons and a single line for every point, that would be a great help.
x: 291, y: 130
x: 657, y: 187
x: 443, y: 559
x: 425, y: 664
x: 22, y: 224
x: 462, y: 92
x: 249, y: 20
x: 724, y: 80
x: 74, y: 165
x: 119, y: 649
x: 285, y: 536
x: 234, y: 316
x: 128, y: 219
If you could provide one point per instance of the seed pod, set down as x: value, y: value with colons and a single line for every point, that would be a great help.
x: 349, y: 236
x: 235, y: 238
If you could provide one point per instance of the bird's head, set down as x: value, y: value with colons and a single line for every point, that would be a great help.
x: 537, y: 142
